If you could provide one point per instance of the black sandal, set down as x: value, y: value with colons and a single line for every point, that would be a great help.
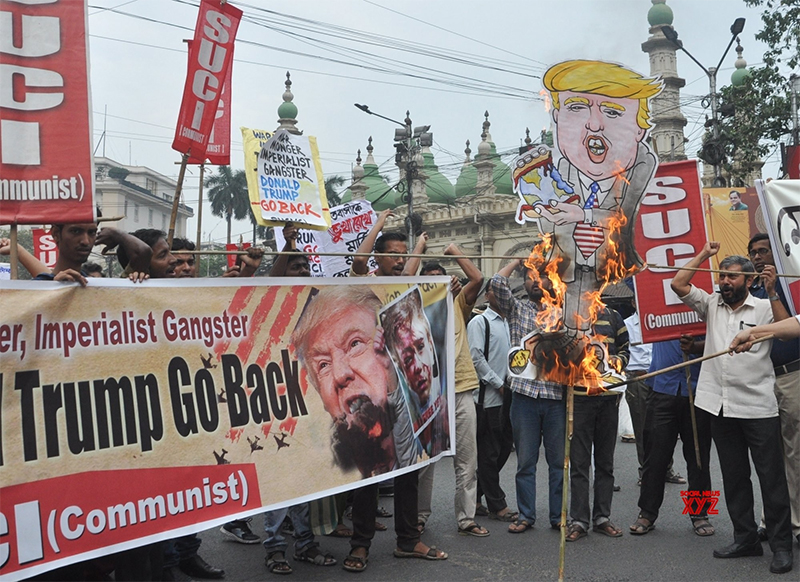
x: 357, y: 563
x: 277, y: 564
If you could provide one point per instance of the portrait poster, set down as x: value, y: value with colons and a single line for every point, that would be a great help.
x: 733, y: 216
x: 129, y: 415
x: 411, y: 344
x: 350, y: 224
x: 291, y: 186
x: 780, y: 200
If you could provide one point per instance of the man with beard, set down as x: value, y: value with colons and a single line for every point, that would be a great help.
x: 538, y: 409
x: 785, y: 360
x: 341, y: 346
x: 738, y: 393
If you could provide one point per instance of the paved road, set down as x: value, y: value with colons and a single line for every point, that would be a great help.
x: 670, y: 552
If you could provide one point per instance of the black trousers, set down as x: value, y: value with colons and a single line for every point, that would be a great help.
x: 733, y: 438
x: 365, y: 506
x: 667, y: 417
x: 494, y: 447
x: 594, y: 431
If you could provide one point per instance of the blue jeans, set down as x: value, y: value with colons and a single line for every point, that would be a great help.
x: 273, y: 520
x: 534, y: 419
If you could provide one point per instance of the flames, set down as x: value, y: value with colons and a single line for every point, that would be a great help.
x: 548, y: 104
x: 566, y: 356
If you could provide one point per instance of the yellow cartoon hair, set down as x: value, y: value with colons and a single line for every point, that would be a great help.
x: 600, y: 78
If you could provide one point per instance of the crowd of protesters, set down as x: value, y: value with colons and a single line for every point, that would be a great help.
x: 748, y: 404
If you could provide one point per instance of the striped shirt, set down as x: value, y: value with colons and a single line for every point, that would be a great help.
x: 521, y: 317
x: 611, y: 325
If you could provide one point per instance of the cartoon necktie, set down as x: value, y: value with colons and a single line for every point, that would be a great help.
x: 587, y: 237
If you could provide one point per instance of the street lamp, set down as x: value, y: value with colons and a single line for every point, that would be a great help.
x: 714, y: 152
x: 404, y: 142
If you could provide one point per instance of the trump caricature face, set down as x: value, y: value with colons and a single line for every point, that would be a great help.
x: 599, y: 135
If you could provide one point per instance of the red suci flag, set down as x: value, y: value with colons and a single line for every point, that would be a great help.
x: 210, y: 58
x: 46, y: 168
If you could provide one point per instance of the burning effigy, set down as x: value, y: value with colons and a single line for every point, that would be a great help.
x: 583, y: 196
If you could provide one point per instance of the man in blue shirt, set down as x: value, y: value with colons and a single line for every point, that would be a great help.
x: 669, y: 415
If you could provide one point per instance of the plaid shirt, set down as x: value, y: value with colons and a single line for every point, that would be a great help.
x: 521, y: 317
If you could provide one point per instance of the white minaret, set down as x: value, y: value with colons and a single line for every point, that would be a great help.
x: 667, y: 135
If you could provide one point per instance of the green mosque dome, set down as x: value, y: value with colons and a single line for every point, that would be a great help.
x: 659, y: 14
x: 437, y: 187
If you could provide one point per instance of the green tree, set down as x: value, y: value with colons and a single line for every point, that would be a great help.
x: 761, y: 104
x: 332, y: 186
x: 227, y: 194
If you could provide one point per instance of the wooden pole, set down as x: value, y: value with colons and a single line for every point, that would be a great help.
x: 565, y: 488
x: 14, y: 251
x: 200, y: 208
x: 692, y: 412
x: 173, y: 218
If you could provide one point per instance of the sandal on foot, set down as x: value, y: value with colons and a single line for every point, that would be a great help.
x: 473, y: 529
x: 379, y: 526
x: 314, y: 555
x: 381, y: 512
x: 641, y: 526
x: 509, y: 516
x: 277, y: 564
x: 421, y: 527
x: 341, y: 531
x: 481, y: 510
x: 353, y: 563
x: 608, y: 529
x: 519, y: 526
x: 575, y: 532
x: 703, y: 527
x: 431, y: 554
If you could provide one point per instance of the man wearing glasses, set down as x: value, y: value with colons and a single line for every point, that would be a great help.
x: 786, y: 360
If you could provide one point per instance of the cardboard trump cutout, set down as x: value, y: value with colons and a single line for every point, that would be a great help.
x: 587, y: 198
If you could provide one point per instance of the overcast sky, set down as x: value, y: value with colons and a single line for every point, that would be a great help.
x: 447, y: 61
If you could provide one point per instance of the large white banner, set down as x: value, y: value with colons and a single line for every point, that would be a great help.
x: 350, y: 224
x: 780, y: 200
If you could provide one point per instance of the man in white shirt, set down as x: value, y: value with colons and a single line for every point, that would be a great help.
x: 738, y: 393
x: 489, y: 343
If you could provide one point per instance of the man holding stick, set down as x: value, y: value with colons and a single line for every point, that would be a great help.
x: 744, y: 413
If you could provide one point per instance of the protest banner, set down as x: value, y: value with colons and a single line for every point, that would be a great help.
x: 210, y: 58
x: 780, y: 202
x: 129, y: 415
x: 350, y: 224
x: 46, y: 164
x: 44, y: 247
x: 291, y: 187
x: 218, y: 151
x: 669, y: 231
x: 252, y: 142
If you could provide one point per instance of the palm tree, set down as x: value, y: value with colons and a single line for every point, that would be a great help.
x: 227, y: 193
x: 332, y: 185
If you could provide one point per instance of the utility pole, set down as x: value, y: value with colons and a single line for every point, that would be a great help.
x: 713, y: 152
x: 407, y: 143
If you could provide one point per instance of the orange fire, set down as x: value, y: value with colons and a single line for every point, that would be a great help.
x: 548, y: 104
x: 577, y: 359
